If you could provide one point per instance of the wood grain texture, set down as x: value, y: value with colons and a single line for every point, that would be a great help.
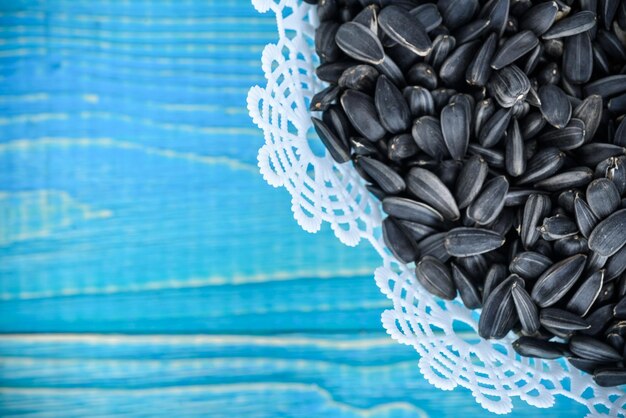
x: 146, y: 269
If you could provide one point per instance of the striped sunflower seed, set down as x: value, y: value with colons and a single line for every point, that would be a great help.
x: 435, y: 277
x: 494, y: 128
x: 526, y: 309
x: 359, y: 77
x: 557, y: 280
x: 498, y: 315
x: 603, y: 197
x: 398, y: 241
x: 586, y: 294
x: 361, y: 112
x: 443, y: 45
x: 598, y: 319
x: 338, y: 150
x: 470, y: 181
x: 360, y: 43
x: 593, y: 349
x: 393, y: 111
x: 529, y: 264
x: 467, y: 290
x: 420, y: 101
x: 608, y: 86
x: 563, y: 320
x: 586, y: 220
x: 578, y: 58
x: 428, y: 15
x: 607, y: 377
x: 616, y: 264
x: 576, y: 177
x: 430, y: 189
x: 405, y: 30
x: 489, y: 203
x: 590, y: 112
x: 464, y: 241
x: 542, y: 165
x: 514, y: 48
x: 610, y: 234
x: 410, y: 210
x: 540, y: 17
x: 536, y: 347
x: 508, y: 86
x: 387, y: 179
x: 515, y: 158
x: 427, y: 134
x: 536, y: 208
x: 557, y: 227
x: 568, y: 138
x: 455, y: 128
x: 496, y: 274
x: 423, y: 75
x: 554, y: 105
x: 572, y: 25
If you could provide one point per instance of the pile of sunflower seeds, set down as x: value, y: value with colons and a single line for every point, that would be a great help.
x: 494, y: 134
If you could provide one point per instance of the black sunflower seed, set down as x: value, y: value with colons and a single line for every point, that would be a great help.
x: 435, y: 277
x: 467, y: 290
x: 453, y: 68
x: 513, y: 48
x: 401, y: 147
x: 526, y: 309
x: 568, y: 138
x: 405, y: 30
x: 593, y: 349
x: 575, y: 177
x: 537, y: 206
x: 498, y: 315
x: 483, y: 111
x: 420, y: 101
x: 572, y: 25
x: 410, y: 210
x: 607, y: 87
x: 555, y: 282
x: 539, y: 18
x: 495, y: 275
x: 593, y: 153
x: 610, y: 234
x: 479, y: 70
x: 335, y: 146
x: 515, y: 158
x: 590, y: 112
x: 498, y: 15
x: 361, y: 112
x: 393, y: 110
x: 360, y: 43
x: 586, y: 294
x: 465, y: 242
x: 611, y: 44
x: 387, y: 179
x: 529, y: 264
x: 368, y: 17
x: 603, y: 197
x: 536, y: 347
x: 557, y: 227
x: 428, y: 15
x: 456, y: 13
x: 430, y: 189
x: 398, y: 242
x: 455, y: 128
x: 578, y: 58
x: 427, y: 134
x: 326, y: 97
x: 562, y: 320
x: 416, y: 230
x: 470, y: 181
x: 585, y: 218
x: 616, y: 264
x: 494, y: 128
x: 360, y: 77
x: 554, y: 106
x: 472, y: 31
x: 443, y: 45
x: 508, y: 86
x: 532, y: 124
x: 489, y: 203
x: 607, y: 377
x: 423, y: 75
x: 542, y: 165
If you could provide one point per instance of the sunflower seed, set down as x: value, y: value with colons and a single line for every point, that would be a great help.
x: 391, y: 70
x: 361, y: 112
x: 423, y: 75
x: 472, y: 31
x: 393, y: 110
x: 535, y: 347
x: 498, y: 315
x: 448, y: 171
x: 585, y: 218
x: 562, y: 320
x: 610, y: 234
x: 428, y: 15
x: 578, y: 58
x: 590, y: 112
x: 537, y: 206
x: 479, y: 70
x: 542, y: 165
x: 539, y: 18
x: 331, y: 71
x: 335, y: 146
x: 549, y: 74
x: 429, y: 188
x: 499, y: 15
x: 570, y: 137
x: 360, y: 43
x: 603, y: 197
x: 495, y: 275
x: 467, y: 290
x: 616, y: 264
x: 401, y: 147
x: 489, y: 203
x: 596, y: 262
x: 398, y: 241
x: 617, y: 105
x: 592, y: 349
x: 410, y: 210
x: 359, y: 77
x: 572, y: 25
x: 387, y: 179
x: 607, y: 86
x: 427, y: 134
x: 555, y: 282
x: 443, y: 45
x: 456, y: 13
x: 494, y: 158
x: 610, y: 377
x: 453, y: 68
x: 557, y: 227
x: 513, y: 48
x: 368, y: 17
x: 435, y: 277
x: 532, y: 124
x: 554, y: 106
x: 526, y: 309
x: 575, y: 177
x: 416, y: 230
x: 494, y: 128
x: 405, y: 30
x: 326, y: 97
x: 508, y: 86
x: 465, y: 242
x: 517, y: 197
x: 515, y: 161
x: 420, y: 101
x: 441, y: 97
x: 529, y: 264
x: 586, y: 294
x: 377, y: 192
x: 611, y: 44
x: 470, y: 181
x: 455, y: 128
x: 570, y: 246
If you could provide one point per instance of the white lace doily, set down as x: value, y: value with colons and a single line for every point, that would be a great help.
x: 323, y: 191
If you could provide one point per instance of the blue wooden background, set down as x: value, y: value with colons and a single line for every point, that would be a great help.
x: 145, y: 267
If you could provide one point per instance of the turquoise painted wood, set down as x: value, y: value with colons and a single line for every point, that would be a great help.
x: 146, y: 269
